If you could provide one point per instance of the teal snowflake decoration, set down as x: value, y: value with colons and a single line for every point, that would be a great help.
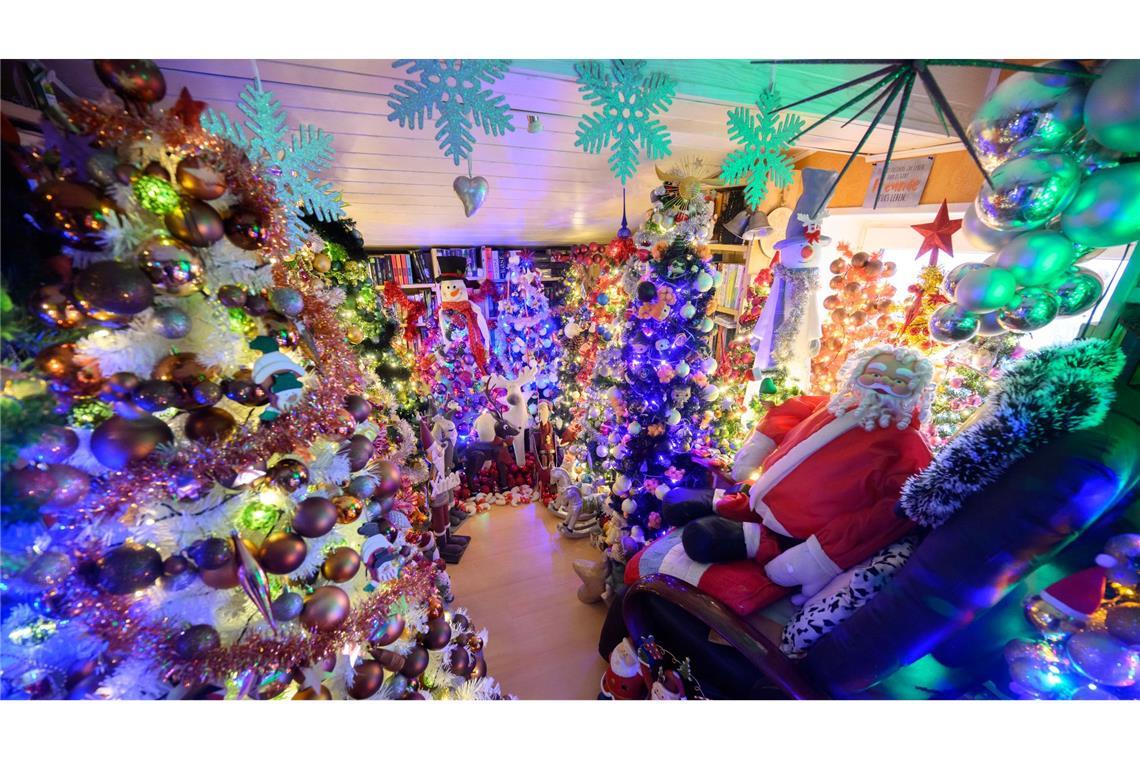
x: 291, y: 164
x: 627, y: 101
x: 455, y: 89
x: 765, y: 139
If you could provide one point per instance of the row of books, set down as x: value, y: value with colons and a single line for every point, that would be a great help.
x: 731, y: 290
x: 413, y: 268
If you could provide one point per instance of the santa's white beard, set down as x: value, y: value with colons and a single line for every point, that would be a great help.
x: 872, y: 409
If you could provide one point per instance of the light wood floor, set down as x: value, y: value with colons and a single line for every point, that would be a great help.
x: 516, y: 580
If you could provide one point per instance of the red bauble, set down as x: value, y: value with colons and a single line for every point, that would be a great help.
x: 367, y: 677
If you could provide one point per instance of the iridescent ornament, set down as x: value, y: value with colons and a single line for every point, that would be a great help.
x: 210, y: 425
x: 197, y: 641
x: 358, y: 407
x: 289, y: 474
x: 71, y: 485
x: 29, y: 486
x: 252, y: 579
x: 246, y: 230
x: 54, y: 307
x: 1028, y: 112
x: 118, y: 441
x: 1103, y: 658
x: 388, y: 475
x: 952, y: 323
x: 79, y: 214
x: 199, y: 179
x: 112, y: 291
x: 54, y: 444
x: 282, y: 553
x: 1047, y: 619
x: 367, y: 677
x: 315, y: 517
x: 415, y: 662
x: 129, y: 568
x: 48, y: 569
x: 69, y: 371
x: 359, y: 450
x: 438, y: 634
x: 138, y: 81
x: 195, y: 223
x: 1030, y: 309
x: 287, y: 301
x: 348, y: 508
x: 212, y: 553
x: 1029, y: 191
x: 171, y: 322
x: 288, y: 606
x: 386, y: 631
x: 1077, y: 291
x: 326, y: 608
x: 341, y: 564
x: 232, y: 296
x: 1123, y: 622
x: 173, y: 268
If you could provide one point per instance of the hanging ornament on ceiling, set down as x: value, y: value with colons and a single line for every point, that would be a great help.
x: 456, y: 90
x: 764, y: 139
x: 472, y: 191
x: 626, y: 103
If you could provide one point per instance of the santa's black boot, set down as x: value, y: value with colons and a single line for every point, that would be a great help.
x: 450, y: 549
x: 714, y: 539
x: 683, y: 505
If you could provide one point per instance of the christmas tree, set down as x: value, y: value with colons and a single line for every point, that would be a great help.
x: 925, y: 298
x: 212, y: 499
x: 663, y: 386
x: 529, y: 331
x: 860, y: 312
x: 743, y: 399
x: 963, y: 380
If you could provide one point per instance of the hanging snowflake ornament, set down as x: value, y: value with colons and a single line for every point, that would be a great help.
x: 292, y: 164
x: 764, y: 139
x: 454, y: 88
x: 626, y: 100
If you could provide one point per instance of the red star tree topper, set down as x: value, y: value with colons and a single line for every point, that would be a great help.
x: 936, y: 235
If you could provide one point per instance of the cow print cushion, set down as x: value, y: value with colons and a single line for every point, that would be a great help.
x: 821, y: 615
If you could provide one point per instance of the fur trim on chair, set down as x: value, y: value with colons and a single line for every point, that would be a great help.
x: 1052, y: 391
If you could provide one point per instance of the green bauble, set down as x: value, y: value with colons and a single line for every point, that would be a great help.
x: 1031, y: 309
x: 1036, y: 257
x: 1077, y: 291
x: 986, y: 289
x: 1106, y: 209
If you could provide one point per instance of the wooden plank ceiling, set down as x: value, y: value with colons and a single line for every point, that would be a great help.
x: 543, y: 190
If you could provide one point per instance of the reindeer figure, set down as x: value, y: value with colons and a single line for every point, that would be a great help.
x: 494, y: 431
x: 519, y: 392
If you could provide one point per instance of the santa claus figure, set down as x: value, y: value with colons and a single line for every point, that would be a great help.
x: 819, y: 479
x: 788, y: 332
x: 459, y: 320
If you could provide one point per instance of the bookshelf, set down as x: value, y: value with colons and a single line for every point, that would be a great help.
x: 415, y: 271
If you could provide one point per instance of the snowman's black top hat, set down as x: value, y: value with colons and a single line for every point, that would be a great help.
x: 451, y: 268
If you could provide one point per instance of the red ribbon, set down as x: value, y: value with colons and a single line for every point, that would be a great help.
x: 413, y: 310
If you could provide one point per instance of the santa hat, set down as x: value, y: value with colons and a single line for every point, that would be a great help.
x: 1080, y: 594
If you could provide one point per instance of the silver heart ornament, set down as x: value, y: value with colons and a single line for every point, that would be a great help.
x: 472, y: 191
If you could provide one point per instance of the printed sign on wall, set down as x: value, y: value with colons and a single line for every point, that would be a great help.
x: 904, y: 184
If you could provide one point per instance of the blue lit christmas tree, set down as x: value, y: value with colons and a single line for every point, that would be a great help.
x: 660, y: 404
x: 528, y: 330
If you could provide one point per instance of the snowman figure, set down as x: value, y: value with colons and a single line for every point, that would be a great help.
x: 788, y: 332
x: 458, y: 317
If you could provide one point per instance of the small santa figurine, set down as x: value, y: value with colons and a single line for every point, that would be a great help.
x: 545, y: 445
x: 788, y: 331
x: 818, y: 481
x: 623, y: 678
x: 458, y: 317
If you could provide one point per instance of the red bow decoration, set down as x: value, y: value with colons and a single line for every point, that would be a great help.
x: 413, y: 310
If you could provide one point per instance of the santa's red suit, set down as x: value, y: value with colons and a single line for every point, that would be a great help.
x: 825, y: 500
